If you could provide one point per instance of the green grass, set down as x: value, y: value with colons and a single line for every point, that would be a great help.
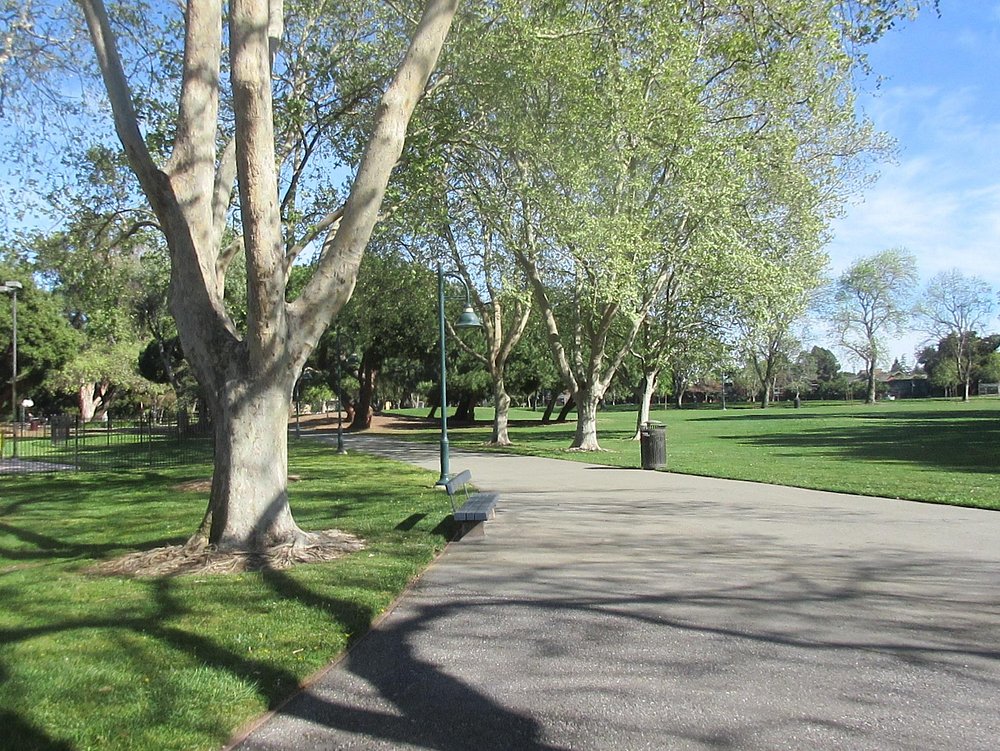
x: 96, y: 662
x: 941, y: 451
x: 96, y: 448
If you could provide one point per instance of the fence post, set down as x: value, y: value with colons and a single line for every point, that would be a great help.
x: 76, y: 441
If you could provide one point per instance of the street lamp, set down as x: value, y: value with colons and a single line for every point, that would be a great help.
x: 468, y: 320
x: 12, y: 288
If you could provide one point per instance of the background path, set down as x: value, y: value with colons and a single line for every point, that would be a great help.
x: 622, y: 609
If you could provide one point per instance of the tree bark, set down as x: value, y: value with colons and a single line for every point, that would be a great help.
x: 550, y: 406
x: 870, y: 386
x: 465, y: 411
x: 248, y: 378
x: 368, y: 375
x: 568, y: 407
x: 249, y: 510
x: 585, y: 437
x: 88, y: 404
x: 501, y: 402
x: 649, y: 380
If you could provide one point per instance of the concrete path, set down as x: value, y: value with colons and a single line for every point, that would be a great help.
x: 622, y: 609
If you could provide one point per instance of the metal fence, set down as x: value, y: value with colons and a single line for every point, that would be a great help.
x: 64, y: 442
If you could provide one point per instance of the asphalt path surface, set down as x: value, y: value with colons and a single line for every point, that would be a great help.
x: 627, y: 609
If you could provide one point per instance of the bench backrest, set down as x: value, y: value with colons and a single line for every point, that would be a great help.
x: 457, y: 482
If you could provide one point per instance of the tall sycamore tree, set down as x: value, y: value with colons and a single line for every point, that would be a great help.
x: 248, y: 374
x: 873, y: 301
x: 640, y: 134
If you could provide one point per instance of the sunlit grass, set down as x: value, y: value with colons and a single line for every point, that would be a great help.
x: 935, y: 450
x: 95, y: 662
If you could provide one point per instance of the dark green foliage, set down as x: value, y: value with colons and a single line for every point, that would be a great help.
x: 45, y: 341
x: 940, y: 362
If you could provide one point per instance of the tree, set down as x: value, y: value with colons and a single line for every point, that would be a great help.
x: 45, y: 340
x: 955, y: 305
x: 942, y: 362
x: 871, y: 301
x: 690, y: 133
x: 768, y: 343
x: 103, y: 266
x: 248, y: 376
x: 990, y: 369
x: 802, y: 374
x: 827, y: 366
x: 391, y: 315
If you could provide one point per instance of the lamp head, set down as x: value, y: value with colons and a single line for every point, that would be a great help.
x: 468, y: 319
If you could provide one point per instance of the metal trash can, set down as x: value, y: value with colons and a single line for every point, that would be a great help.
x: 653, y: 445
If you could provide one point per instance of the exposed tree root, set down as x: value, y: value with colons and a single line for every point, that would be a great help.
x: 196, y: 557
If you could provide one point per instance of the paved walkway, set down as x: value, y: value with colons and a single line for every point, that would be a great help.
x: 622, y: 609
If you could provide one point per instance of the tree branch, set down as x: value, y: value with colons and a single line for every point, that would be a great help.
x: 332, y: 284
x: 197, y: 116
x: 120, y: 96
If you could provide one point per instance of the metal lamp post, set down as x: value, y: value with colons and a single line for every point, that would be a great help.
x: 468, y: 320
x: 12, y: 287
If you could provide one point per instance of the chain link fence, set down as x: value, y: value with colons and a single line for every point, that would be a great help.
x: 64, y: 442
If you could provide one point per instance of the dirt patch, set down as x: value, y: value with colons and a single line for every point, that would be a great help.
x: 205, y: 486
x: 194, y: 486
x: 380, y: 423
x: 200, y: 558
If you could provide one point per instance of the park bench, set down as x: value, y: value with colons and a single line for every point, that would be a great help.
x: 475, y: 507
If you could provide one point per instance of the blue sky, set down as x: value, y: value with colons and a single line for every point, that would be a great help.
x: 940, y: 197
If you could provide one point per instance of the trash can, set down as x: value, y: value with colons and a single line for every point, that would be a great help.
x: 653, y: 445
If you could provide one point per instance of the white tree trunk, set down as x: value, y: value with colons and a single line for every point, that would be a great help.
x: 88, y: 403
x: 585, y: 438
x: 248, y: 377
x: 501, y: 401
x: 645, y: 402
x: 870, y: 386
x: 249, y: 504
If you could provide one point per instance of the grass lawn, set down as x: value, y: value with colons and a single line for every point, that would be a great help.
x: 96, y: 662
x: 942, y: 451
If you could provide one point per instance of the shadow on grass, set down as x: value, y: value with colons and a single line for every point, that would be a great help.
x: 23, y: 736
x: 36, y: 508
x: 966, y: 441
x: 46, y: 547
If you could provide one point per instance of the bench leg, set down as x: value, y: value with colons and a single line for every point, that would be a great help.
x: 472, y: 530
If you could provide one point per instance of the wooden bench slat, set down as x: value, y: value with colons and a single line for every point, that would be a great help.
x: 478, y: 508
x: 457, y: 482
